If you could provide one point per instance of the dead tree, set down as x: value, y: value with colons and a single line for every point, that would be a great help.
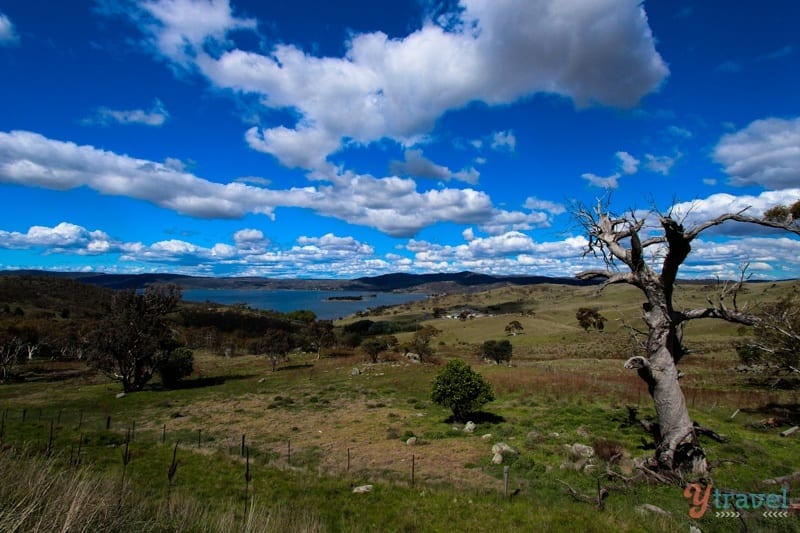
x: 622, y: 242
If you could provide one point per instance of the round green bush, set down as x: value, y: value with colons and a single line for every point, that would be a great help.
x: 461, y: 389
x: 174, y: 366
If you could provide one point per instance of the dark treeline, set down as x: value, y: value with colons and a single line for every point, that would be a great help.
x: 56, y: 318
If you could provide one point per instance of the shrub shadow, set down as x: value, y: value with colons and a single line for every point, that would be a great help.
x: 199, y: 383
x: 479, y: 417
x: 294, y: 367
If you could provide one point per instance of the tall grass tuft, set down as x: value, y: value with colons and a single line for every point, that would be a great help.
x: 40, y: 494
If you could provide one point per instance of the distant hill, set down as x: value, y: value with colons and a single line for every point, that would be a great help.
x: 448, y: 282
x: 429, y: 283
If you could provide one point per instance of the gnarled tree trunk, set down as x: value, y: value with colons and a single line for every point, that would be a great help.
x: 616, y: 239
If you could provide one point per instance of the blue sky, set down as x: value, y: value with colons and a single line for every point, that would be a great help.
x: 339, y: 139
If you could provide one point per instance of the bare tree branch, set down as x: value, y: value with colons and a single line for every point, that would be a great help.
x: 739, y: 217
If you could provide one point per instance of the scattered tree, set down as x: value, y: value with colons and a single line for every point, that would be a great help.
x: 320, y: 335
x: 498, y: 351
x: 514, y: 328
x: 276, y: 344
x: 421, y: 341
x: 133, y: 333
x: 776, y: 337
x: 589, y: 318
x: 174, y: 365
x: 618, y: 239
x: 10, y: 350
x: 373, y: 347
x: 781, y: 214
x: 461, y: 389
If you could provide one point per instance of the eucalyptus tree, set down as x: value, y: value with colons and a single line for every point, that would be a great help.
x: 649, y: 259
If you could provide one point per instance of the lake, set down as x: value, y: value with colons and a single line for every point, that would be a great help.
x: 319, y: 302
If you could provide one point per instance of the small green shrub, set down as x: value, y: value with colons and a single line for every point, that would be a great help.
x: 461, y: 389
x: 174, y: 366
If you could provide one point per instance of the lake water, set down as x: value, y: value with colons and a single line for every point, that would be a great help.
x: 319, y: 302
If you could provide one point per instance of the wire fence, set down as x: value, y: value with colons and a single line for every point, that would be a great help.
x: 80, y: 434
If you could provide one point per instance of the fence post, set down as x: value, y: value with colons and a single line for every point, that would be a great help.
x: 199, y: 434
x: 348, y: 459
x: 108, y: 422
x: 242, y: 452
x: 50, y: 440
x: 413, y: 468
x: 164, y: 434
x: 505, y: 481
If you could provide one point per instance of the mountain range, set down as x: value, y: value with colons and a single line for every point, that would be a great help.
x: 428, y: 283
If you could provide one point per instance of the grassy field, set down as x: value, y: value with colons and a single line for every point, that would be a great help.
x: 75, y: 456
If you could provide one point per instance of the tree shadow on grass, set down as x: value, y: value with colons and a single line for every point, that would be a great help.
x: 50, y: 372
x: 294, y: 367
x: 786, y: 412
x: 478, y: 417
x: 199, y: 383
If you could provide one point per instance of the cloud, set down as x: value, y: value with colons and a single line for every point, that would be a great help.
x: 766, y: 258
x: 681, y: 133
x: 392, y: 205
x: 661, y: 164
x: 703, y: 209
x: 416, y: 165
x: 31, y: 159
x: 765, y: 153
x: 330, y: 244
x: 599, y: 52
x: 105, y: 116
x: 611, y: 182
x: 630, y: 165
x: 504, y: 140
x: 181, y: 29
x: 554, y: 208
x: 8, y: 34
x: 627, y: 165
x: 250, y: 253
x: 63, y: 238
x: 509, y: 253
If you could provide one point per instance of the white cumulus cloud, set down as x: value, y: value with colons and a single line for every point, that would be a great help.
x: 765, y: 153
x: 496, y: 52
x: 392, y: 205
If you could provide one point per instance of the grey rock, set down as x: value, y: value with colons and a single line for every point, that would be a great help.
x: 502, y: 447
x: 580, y: 450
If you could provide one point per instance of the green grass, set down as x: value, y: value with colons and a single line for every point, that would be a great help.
x: 302, y: 423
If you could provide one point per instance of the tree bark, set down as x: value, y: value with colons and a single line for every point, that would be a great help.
x: 616, y: 239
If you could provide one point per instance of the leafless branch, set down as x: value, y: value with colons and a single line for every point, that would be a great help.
x: 739, y: 217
